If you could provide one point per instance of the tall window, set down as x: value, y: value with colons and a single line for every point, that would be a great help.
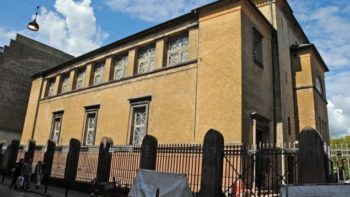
x: 80, y: 79
x: 257, y: 48
x: 56, y: 127
x: 177, y: 50
x: 64, y: 85
x: 146, y: 59
x: 120, y: 67
x: 90, y: 125
x: 50, y: 87
x: 139, y: 120
x: 319, y: 85
x: 98, y: 73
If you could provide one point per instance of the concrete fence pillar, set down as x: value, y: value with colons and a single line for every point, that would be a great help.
x: 12, y: 152
x: 104, y: 161
x: 48, y: 161
x: 2, y: 144
x: 29, y: 155
x: 72, y: 161
x: 212, y: 165
x: 149, y: 153
x: 71, y: 169
x: 9, y: 158
x: 312, y: 166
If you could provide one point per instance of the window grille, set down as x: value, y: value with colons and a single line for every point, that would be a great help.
x: 98, y: 73
x: 139, y: 125
x: 120, y: 67
x: 177, y: 50
x: 56, y: 127
x: 90, y: 127
x: 80, y: 79
x: 51, y: 88
x: 146, y: 59
x: 65, y: 84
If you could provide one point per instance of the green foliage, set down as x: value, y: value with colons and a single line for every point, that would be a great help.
x: 342, y: 140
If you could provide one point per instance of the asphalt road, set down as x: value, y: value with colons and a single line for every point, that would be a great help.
x: 5, y: 191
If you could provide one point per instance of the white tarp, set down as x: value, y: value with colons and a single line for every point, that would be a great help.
x: 331, y: 190
x: 169, y: 184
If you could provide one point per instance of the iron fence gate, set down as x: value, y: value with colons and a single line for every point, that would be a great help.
x: 259, y: 171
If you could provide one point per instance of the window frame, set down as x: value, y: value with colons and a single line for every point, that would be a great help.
x: 135, y: 104
x: 258, y: 48
x: 64, y: 77
x: 319, y: 85
x: 140, y: 61
x: 97, y: 65
x: 55, y: 116
x: 122, y: 57
x: 50, y: 83
x: 79, y: 71
x: 90, y: 110
x: 178, y: 51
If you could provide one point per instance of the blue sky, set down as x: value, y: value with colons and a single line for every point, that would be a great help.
x: 80, y: 26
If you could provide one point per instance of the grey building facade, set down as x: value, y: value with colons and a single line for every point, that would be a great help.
x: 18, y: 62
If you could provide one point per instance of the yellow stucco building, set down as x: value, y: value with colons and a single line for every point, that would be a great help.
x: 242, y: 67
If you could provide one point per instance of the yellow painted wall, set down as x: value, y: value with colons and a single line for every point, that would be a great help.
x: 219, y: 102
x: 171, y: 109
x: 31, y: 110
x: 312, y: 106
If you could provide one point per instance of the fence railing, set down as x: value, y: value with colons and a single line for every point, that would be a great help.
x: 124, y: 164
x: 340, y: 155
x: 256, y: 171
x: 59, y: 162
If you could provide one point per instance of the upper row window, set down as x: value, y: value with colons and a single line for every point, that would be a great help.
x: 120, y: 66
x: 98, y: 73
x: 146, y: 59
x: 64, y: 85
x: 51, y: 87
x: 80, y: 79
x: 177, y: 50
x: 176, y: 53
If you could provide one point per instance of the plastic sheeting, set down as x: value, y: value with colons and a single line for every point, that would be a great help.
x: 169, y: 184
x: 330, y: 190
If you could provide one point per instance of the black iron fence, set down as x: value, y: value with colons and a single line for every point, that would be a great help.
x: 247, y: 170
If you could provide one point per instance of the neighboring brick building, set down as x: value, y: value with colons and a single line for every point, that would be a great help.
x: 18, y: 62
x: 245, y: 69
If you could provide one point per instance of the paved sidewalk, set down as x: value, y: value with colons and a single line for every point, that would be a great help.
x: 51, y: 192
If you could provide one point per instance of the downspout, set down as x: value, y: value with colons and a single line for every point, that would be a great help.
x: 37, y: 108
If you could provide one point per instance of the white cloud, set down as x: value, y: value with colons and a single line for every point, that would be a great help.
x: 71, y: 27
x: 339, y: 115
x: 5, y: 36
x: 154, y: 10
x: 328, y: 27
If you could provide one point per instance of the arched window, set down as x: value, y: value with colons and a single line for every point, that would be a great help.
x: 319, y: 85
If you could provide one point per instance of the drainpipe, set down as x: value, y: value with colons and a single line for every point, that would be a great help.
x: 37, y: 108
